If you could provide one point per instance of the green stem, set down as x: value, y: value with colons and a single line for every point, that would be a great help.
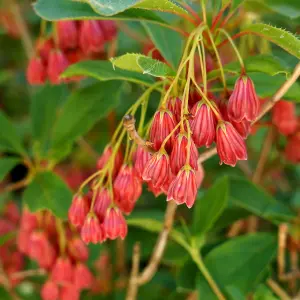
x: 201, y: 266
x: 203, y: 6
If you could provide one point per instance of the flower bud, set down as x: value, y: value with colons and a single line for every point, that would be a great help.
x: 142, y: 156
x: 284, y: 117
x: 162, y: 125
x: 36, y: 73
x: 179, y: 153
x: 230, y: 145
x: 83, y: 278
x: 78, y: 210
x: 91, y: 37
x: 50, y: 291
x: 203, y: 124
x: 91, y: 231
x: 114, y: 224
x: 57, y: 64
x: 292, y: 152
x: 102, y: 202
x: 183, y: 189
x: 67, y: 34
x: 243, y: 102
x: 157, y: 169
x: 62, y: 272
x: 77, y: 249
x: 174, y: 105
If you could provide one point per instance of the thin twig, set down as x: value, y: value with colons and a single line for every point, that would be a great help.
x: 278, y: 290
x: 17, y: 185
x: 133, y: 281
x: 29, y: 273
x: 22, y: 26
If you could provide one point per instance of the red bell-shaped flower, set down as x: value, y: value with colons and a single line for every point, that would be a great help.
x: 77, y: 249
x: 230, y: 145
x: 157, y: 169
x: 183, y: 189
x: 142, y: 156
x: 174, y: 105
x: 67, y: 34
x: 114, y: 224
x: 109, y: 29
x: 62, y: 272
x: 162, y: 125
x: 292, y: 150
x: 36, y: 73
x: 29, y: 220
x: 50, y: 291
x: 83, y: 278
x: 102, y: 202
x: 57, y: 64
x: 69, y: 292
x: 91, y: 231
x: 203, y: 124
x: 284, y: 117
x: 179, y: 153
x: 243, y: 102
x: 127, y: 186
x: 91, y: 37
x: 78, y: 210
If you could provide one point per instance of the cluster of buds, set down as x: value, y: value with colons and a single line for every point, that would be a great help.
x: 71, y: 42
x: 285, y: 119
x: 11, y: 259
x: 40, y: 238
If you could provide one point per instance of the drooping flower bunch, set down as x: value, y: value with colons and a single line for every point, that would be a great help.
x: 70, y: 42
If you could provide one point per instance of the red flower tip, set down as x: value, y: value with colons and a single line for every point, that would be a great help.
x: 91, y: 37
x: 243, y: 102
x: 230, y: 145
x: 292, y: 152
x: 183, y: 189
x: 50, y: 291
x: 69, y: 292
x: 102, y: 161
x: 41, y: 250
x: 284, y: 117
x: 127, y: 187
x: 57, y: 64
x: 62, y: 272
x: 157, y: 169
x: 67, y: 34
x: 162, y: 125
x: 142, y: 156
x: 203, y: 124
x: 77, y: 249
x: 179, y: 153
x: 156, y: 191
x: 91, y: 231
x: 83, y: 278
x: 102, y: 202
x: 36, y: 73
x: 78, y: 210
x: 174, y: 105
x: 115, y: 224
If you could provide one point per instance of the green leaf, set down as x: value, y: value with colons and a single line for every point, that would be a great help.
x: 44, y: 107
x: 278, y: 36
x: 209, y: 207
x: 240, y: 262
x: 65, y: 9
x: 7, y: 164
x: 48, y: 191
x: 83, y: 109
x: 244, y: 194
x: 113, y: 7
x: 260, y: 63
x: 142, y: 64
x: 7, y: 237
x: 168, y: 42
x: 9, y: 139
x: 104, y: 71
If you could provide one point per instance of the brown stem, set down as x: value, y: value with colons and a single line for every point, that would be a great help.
x: 129, y: 124
x: 133, y: 281
x: 278, y: 290
x: 120, y: 264
x: 22, y: 26
x: 160, y: 246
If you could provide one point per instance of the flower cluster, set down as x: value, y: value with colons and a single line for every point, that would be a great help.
x: 71, y: 42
